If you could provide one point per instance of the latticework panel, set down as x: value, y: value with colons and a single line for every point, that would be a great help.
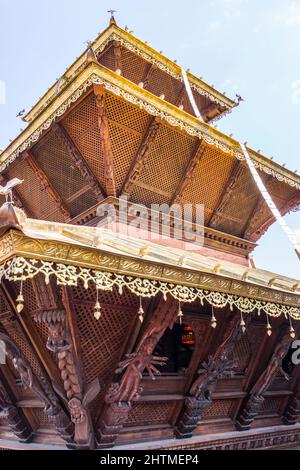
x: 36, y: 199
x: 63, y: 175
x: 127, y: 125
x: 256, y: 334
x: 150, y: 413
x: 42, y: 418
x: 210, y: 180
x: 136, y: 69
x: 141, y: 195
x: 163, y: 84
x: 169, y: 155
x: 270, y: 406
x: 103, y: 341
x: 31, y: 302
x: 219, y: 409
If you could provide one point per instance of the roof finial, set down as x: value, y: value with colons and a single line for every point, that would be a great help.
x: 112, y: 17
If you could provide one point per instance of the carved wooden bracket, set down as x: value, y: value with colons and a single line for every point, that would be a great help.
x: 40, y: 386
x: 17, y: 422
x: 75, y: 394
x: 251, y: 406
x: 121, y: 394
x: 211, y: 371
x: 292, y: 412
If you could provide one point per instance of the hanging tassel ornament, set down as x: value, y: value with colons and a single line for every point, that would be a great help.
x: 213, y: 319
x: 269, y: 327
x: 141, y: 311
x: 243, y: 324
x: 20, y: 299
x: 180, y: 314
x: 97, y: 308
x: 292, y: 331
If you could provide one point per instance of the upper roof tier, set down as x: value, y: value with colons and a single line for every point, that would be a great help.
x: 120, y: 51
x: 100, y: 128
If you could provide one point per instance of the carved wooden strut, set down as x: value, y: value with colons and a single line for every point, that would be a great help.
x: 211, y: 371
x: 109, y: 173
x: 121, y: 394
x: 75, y: 394
x: 251, y: 407
x: 40, y: 386
x: 16, y: 420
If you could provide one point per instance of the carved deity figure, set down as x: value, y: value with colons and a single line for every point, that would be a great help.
x: 143, y: 359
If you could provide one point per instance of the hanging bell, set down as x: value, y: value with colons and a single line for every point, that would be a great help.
x: 292, y: 332
x: 97, y: 310
x: 20, y: 303
x: 213, y: 321
x: 180, y: 314
x: 141, y: 314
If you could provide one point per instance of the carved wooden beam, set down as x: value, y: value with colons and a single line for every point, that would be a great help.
x: 17, y: 422
x: 253, y: 403
x: 189, y: 172
x: 40, y: 386
x: 226, y: 195
x: 109, y: 173
x: 46, y: 185
x: 121, y: 395
x: 79, y: 161
x: 118, y: 57
x: 215, y: 368
x: 181, y: 96
x: 141, y: 157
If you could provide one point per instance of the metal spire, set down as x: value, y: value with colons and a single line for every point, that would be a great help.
x: 112, y: 17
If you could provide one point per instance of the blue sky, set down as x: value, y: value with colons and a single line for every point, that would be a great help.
x: 247, y: 46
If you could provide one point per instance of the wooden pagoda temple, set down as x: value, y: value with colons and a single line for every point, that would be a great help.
x: 110, y: 341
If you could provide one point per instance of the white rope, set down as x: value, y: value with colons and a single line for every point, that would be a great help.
x: 264, y: 192
x: 190, y: 94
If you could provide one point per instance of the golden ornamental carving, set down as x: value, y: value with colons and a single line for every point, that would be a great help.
x: 21, y: 269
